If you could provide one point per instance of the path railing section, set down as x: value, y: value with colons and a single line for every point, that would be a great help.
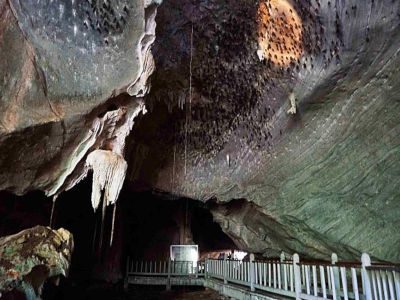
x: 165, y: 268
x: 291, y: 278
x: 383, y: 281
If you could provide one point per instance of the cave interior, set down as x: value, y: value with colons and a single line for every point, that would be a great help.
x: 128, y: 126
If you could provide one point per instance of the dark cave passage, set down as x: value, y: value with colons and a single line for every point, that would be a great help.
x: 146, y: 224
x: 164, y: 220
x: 21, y: 212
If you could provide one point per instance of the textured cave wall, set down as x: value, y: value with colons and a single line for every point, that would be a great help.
x: 62, y: 66
x: 328, y: 174
x: 253, y: 229
x: 62, y: 58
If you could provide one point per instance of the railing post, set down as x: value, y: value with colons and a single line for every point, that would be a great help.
x: 283, y: 270
x: 126, y: 281
x: 396, y: 282
x: 297, y: 276
x: 169, y: 276
x: 282, y: 257
x: 252, y: 275
x: 366, y: 262
x: 336, y: 276
x: 206, y: 275
x: 225, y: 269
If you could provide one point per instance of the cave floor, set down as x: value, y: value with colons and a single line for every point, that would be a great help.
x: 176, y: 295
x: 101, y: 291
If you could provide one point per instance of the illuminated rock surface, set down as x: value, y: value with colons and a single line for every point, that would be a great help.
x: 32, y: 256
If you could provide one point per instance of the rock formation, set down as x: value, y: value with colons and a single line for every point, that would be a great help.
x: 31, y: 257
x: 63, y: 64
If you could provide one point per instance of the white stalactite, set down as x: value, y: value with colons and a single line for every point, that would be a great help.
x: 292, y: 110
x: 109, y: 170
x: 52, y: 210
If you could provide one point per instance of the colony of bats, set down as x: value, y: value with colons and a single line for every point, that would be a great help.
x: 279, y: 32
x: 108, y: 18
x: 236, y: 94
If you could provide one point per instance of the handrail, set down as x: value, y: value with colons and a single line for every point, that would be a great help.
x: 334, y: 280
x: 272, y: 261
x: 338, y: 264
x: 395, y: 268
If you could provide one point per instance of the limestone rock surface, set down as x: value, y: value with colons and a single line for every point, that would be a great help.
x: 32, y: 256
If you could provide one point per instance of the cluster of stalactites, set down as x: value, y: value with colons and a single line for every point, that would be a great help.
x: 109, y: 170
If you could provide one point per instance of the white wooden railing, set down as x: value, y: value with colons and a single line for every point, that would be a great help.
x: 164, y: 268
x: 287, y: 277
x: 166, y: 273
x: 384, y: 282
x: 335, y: 280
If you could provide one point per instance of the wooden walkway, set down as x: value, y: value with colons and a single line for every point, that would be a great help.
x: 253, y: 279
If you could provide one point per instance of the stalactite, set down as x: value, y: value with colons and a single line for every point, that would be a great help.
x: 109, y: 170
x: 113, y: 224
x: 292, y: 110
x: 103, y: 216
x: 52, y: 210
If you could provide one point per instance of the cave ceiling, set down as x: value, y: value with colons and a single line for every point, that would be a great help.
x: 291, y: 106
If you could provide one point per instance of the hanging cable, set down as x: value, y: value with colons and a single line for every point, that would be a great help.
x: 186, y: 221
x: 103, y: 216
x: 173, y: 169
x: 189, y: 109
